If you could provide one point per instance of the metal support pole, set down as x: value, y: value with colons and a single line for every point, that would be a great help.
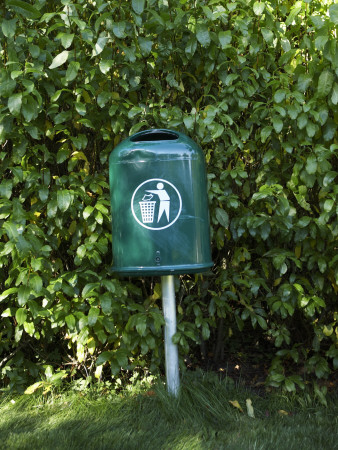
x: 171, y: 351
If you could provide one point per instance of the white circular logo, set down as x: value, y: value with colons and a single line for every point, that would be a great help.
x: 156, y: 204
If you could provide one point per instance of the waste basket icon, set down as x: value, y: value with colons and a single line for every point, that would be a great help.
x: 160, y: 219
x: 147, y: 211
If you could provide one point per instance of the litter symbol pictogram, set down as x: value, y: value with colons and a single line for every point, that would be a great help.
x: 156, y: 204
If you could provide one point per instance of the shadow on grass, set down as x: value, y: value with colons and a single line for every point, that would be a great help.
x: 201, y: 418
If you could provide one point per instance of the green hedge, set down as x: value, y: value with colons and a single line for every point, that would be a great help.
x: 255, y: 85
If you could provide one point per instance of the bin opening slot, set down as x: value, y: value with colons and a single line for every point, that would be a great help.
x: 155, y: 136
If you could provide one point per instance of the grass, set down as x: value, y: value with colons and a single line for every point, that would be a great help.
x: 201, y: 418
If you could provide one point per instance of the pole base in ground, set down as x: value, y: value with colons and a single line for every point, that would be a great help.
x: 170, y: 349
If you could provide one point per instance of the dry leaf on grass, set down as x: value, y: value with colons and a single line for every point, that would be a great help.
x: 249, y: 408
x: 236, y: 404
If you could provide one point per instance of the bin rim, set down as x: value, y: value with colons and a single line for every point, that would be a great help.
x: 155, y: 135
x: 153, y: 271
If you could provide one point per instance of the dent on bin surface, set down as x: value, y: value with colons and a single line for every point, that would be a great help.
x: 160, y: 221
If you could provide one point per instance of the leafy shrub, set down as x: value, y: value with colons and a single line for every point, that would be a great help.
x: 255, y: 84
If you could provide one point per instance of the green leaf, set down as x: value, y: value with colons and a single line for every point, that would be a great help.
x: 105, y: 65
x: 217, y: 130
x: 321, y: 368
x: 269, y: 155
x: 35, y: 282
x: 11, y: 230
x: 320, y: 41
x: 72, y: 70
x: 279, y: 95
x: 277, y: 124
x: 103, y: 357
x: 333, y: 12
x: 285, y: 43
x: 265, y: 230
x: 106, y: 304
x: 258, y: 8
x: 70, y: 321
x: 141, y: 324
x: 8, y: 292
x: 205, y: 331
x: 51, y: 208
x: 334, y: 97
x: 121, y: 356
x: 90, y: 288
x: 138, y: 6
x: 222, y: 217
x: 43, y: 193
x: 322, y: 264
x: 103, y: 98
x: 110, y: 285
x: 81, y: 251
x: 311, y: 164
x: 30, y: 108
x: 9, y: 27
x: 80, y: 108
x: 328, y: 205
x: 145, y: 45
x: 190, y: 47
x: 202, y: 35
x: 102, y: 208
x: 9, y: 312
x: 225, y: 38
x: 93, y: 315
x: 23, y: 295
x: 267, y: 35
x: 99, y: 46
x: 119, y: 29
x: 60, y: 59
x: 24, y: 8
x: 330, y: 130
x: 230, y: 79
x: 304, y: 81
x: 304, y: 221
x: 311, y: 129
x: 62, y: 117
x: 329, y: 178
x: 324, y: 83
x: 6, y: 187
x: 290, y: 385
x: 66, y: 39
x: 294, y: 13
x: 189, y: 122
x: 15, y: 103
x: 87, y: 212
x: 23, y: 246
x: 302, y: 202
x: 29, y: 328
x: 287, y: 57
x: 134, y: 111
x: 265, y: 133
x: 130, y: 53
x: 7, y: 86
x: 262, y: 322
x: 302, y: 121
x: 64, y: 199
x: 21, y: 316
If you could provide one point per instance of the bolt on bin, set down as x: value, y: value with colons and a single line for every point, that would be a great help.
x: 160, y: 219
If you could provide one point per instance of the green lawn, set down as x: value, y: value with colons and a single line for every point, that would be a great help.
x: 202, y: 417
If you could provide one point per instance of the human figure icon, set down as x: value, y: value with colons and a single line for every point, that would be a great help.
x: 164, y: 200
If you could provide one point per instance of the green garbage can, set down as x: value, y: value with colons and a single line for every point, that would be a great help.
x: 160, y: 220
